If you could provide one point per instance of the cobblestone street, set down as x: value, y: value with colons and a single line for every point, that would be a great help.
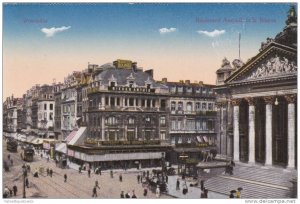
x: 77, y: 185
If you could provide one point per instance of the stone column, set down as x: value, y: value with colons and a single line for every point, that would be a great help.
x: 251, y: 133
x: 236, y: 132
x: 102, y: 102
x: 103, y: 128
x: 269, y: 100
x: 291, y: 130
x: 109, y: 101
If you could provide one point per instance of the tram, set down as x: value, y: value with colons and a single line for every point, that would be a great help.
x: 27, y: 153
x: 12, y: 145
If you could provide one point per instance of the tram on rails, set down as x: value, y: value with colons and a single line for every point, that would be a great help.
x: 27, y: 153
x: 12, y: 145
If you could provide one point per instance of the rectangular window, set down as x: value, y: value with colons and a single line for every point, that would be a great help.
x: 163, y: 120
x: 210, y: 106
x: 153, y: 103
x: 173, y: 124
x: 45, y: 106
x: 51, y: 116
x: 51, y: 106
x: 143, y: 102
x: 163, y: 135
x: 198, y: 125
x: 131, y: 101
x: 118, y: 101
x: 106, y: 101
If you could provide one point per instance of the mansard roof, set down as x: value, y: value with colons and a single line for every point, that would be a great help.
x: 123, y: 75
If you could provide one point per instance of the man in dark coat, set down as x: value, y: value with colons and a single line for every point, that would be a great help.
x: 51, y: 172
x: 26, y: 182
x: 167, y: 178
x: 65, y: 177
x: 94, y: 192
x: 120, y: 178
x: 177, y: 184
x: 138, y: 178
x: 15, y: 189
x: 89, y: 173
x: 122, y: 194
x: 127, y: 195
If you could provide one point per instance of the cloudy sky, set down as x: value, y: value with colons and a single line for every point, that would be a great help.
x: 42, y: 42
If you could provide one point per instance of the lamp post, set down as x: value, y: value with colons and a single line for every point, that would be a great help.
x: 162, y: 161
x: 24, y: 178
x: 183, y: 158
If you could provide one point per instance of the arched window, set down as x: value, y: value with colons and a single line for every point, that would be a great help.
x: 110, y: 120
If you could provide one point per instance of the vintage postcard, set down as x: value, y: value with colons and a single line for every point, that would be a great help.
x: 150, y: 101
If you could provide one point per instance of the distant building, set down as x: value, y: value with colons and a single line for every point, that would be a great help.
x: 192, y: 118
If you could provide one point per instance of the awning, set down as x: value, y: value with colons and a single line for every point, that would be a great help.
x: 30, y: 138
x: 205, y: 139
x: 179, y: 140
x: 79, y: 137
x: 181, y: 150
x: 37, y: 141
x: 61, y: 148
x: 70, y: 136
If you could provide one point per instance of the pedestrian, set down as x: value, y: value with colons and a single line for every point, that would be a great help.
x: 144, y: 173
x: 202, y: 184
x: 202, y: 193
x: 177, y: 184
x: 133, y: 195
x: 141, y: 178
x: 6, y: 192
x: 167, y: 178
x: 100, y: 170
x: 48, y: 159
x: 47, y: 171
x: 28, y: 168
x: 41, y: 156
x: 147, y: 174
x: 231, y: 195
x: 26, y: 182
x: 238, y: 194
x: 145, y: 191
x: 79, y: 169
x: 205, y: 193
x: 56, y: 162
x: 94, y: 192
x: 10, y: 192
x: 127, y: 195
x: 157, y: 192
x: 15, y: 189
x: 50, y: 172
x: 89, y: 173
x: 138, y: 178
x: 120, y: 177
x: 65, y: 176
x: 97, y: 184
x: 122, y: 194
x: 111, y: 174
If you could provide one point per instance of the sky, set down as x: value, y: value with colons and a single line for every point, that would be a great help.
x: 43, y: 42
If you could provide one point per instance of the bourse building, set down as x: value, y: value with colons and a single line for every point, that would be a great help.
x: 258, y: 103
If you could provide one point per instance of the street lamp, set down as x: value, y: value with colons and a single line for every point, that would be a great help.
x: 24, y: 178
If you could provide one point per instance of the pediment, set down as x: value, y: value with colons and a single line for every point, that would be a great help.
x: 275, y: 62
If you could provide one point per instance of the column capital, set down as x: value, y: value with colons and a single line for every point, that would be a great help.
x: 236, y: 101
x: 269, y: 99
x: 291, y: 98
x: 250, y: 100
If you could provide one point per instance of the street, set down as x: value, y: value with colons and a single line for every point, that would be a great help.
x: 77, y: 185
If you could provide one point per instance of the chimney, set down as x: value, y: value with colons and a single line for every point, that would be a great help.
x: 164, y: 80
x: 187, y: 82
x: 201, y: 83
x: 150, y: 72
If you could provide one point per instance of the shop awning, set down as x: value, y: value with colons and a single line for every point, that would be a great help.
x: 79, y: 136
x: 70, y: 136
x: 37, y: 141
x: 199, y: 139
x: 61, y: 148
x: 205, y: 139
x: 181, y: 150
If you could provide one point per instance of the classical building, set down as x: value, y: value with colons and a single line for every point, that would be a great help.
x: 10, y: 116
x: 257, y: 102
x: 192, y: 118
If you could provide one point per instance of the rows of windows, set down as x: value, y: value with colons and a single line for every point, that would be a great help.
x: 198, y: 90
x: 189, y: 106
x: 199, y: 124
x: 128, y: 102
x: 131, y: 135
x: 112, y: 120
